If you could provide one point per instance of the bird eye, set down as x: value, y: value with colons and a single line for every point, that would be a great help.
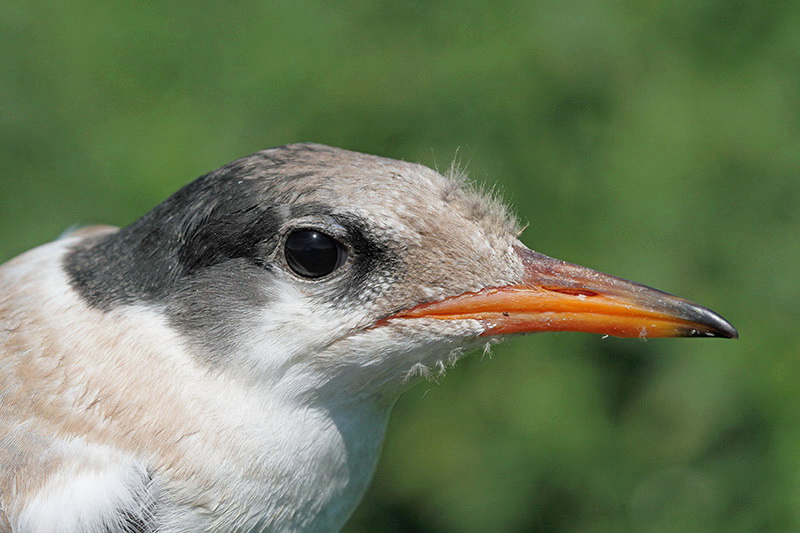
x: 313, y: 254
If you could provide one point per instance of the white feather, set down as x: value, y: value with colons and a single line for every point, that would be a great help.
x: 88, y: 493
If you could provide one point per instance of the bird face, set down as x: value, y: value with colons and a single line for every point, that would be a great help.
x: 228, y: 361
x: 316, y: 268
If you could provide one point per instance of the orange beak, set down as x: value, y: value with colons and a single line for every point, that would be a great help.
x: 558, y: 296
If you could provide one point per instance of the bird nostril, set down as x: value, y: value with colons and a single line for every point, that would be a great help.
x: 571, y: 291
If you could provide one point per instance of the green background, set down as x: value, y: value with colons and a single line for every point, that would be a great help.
x: 659, y: 141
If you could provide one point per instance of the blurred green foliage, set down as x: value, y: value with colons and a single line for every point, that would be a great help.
x: 659, y: 141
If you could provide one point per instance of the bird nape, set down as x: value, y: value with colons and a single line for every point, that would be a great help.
x: 228, y: 361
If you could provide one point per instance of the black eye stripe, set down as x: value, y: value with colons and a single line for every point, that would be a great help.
x: 313, y: 254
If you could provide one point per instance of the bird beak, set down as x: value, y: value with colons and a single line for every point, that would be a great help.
x: 558, y: 296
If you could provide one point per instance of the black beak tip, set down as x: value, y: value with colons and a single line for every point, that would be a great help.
x: 725, y: 334
x: 710, y: 324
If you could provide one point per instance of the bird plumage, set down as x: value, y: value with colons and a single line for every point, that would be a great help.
x: 179, y: 375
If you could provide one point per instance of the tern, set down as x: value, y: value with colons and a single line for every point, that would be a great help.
x: 229, y: 361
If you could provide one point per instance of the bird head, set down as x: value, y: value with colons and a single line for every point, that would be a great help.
x: 317, y: 271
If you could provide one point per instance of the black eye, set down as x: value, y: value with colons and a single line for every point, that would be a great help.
x: 312, y: 254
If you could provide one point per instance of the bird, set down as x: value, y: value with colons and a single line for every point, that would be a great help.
x: 229, y: 361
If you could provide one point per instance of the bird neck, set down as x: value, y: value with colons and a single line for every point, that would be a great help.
x: 308, y: 466
x: 293, y: 462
